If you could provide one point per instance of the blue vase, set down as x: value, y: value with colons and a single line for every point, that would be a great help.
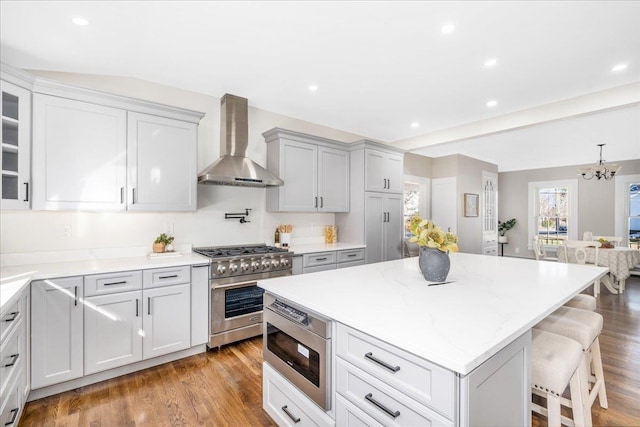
x: 434, y: 264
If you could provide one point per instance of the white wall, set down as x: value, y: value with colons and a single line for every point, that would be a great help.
x: 27, y: 231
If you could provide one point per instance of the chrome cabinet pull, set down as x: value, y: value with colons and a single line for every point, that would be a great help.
x: 392, y: 414
x: 388, y: 184
x: 13, y: 362
x: 321, y: 202
x: 173, y: 276
x: 13, y: 417
x: 14, y: 316
x: 321, y: 259
x: 133, y: 196
x: 26, y: 194
x: 149, y: 305
x: 382, y: 363
x: 75, y: 295
x: 352, y: 255
x: 116, y: 283
x: 316, y: 202
x: 137, y: 302
x: 121, y: 195
x: 295, y: 419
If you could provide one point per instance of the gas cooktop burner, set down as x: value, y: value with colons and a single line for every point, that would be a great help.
x: 235, y: 251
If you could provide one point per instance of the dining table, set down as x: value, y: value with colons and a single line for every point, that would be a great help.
x: 621, y: 261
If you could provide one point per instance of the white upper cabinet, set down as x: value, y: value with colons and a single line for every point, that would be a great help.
x: 383, y: 171
x: 162, y: 163
x: 315, y: 172
x: 79, y: 155
x: 102, y: 152
x: 16, y: 145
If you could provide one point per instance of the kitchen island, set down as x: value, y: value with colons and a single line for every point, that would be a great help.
x: 490, y: 305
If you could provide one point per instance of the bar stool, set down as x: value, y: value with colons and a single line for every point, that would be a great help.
x: 556, y: 362
x: 584, y: 327
x: 583, y: 302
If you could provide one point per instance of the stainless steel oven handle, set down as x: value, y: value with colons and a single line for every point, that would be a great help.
x: 392, y: 414
x: 295, y: 419
x: 234, y: 285
x: 382, y: 363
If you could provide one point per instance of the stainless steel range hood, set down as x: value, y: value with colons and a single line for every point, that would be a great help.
x: 234, y: 167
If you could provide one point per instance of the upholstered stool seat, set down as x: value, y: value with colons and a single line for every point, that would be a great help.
x: 583, y: 302
x: 584, y: 327
x: 555, y: 364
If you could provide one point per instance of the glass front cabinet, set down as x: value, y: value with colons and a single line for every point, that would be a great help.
x: 16, y: 146
x: 489, y: 213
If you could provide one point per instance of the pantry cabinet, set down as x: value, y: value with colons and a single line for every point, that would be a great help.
x: 383, y: 171
x: 101, y: 152
x: 15, y: 155
x: 383, y: 219
x: 315, y: 172
x: 56, y: 331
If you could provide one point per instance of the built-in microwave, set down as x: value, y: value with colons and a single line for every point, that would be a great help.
x: 298, y: 345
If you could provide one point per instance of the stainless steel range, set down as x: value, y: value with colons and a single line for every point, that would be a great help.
x: 235, y: 310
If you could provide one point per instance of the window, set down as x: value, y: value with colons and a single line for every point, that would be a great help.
x: 627, y: 209
x: 634, y: 215
x: 553, y: 207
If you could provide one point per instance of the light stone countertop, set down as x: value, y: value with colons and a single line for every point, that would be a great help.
x: 14, y: 278
x: 492, y: 301
x: 309, y: 248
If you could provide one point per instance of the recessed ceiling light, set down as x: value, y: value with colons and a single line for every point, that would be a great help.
x: 415, y: 125
x: 313, y: 88
x: 619, y: 67
x: 490, y: 62
x: 492, y: 103
x: 78, y: 20
x: 448, y: 28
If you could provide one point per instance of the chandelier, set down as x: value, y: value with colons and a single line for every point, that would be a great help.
x: 600, y: 170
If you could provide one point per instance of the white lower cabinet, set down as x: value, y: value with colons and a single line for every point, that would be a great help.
x: 349, y: 415
x: 287, y: 405
x: 56, y: 331
x: 328, y: 260
x: 167, y: 320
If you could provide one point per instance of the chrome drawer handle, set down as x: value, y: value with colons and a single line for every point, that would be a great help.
x: 13, y: 362
x: 14, y: 316
x: 295, y: 419
x: 321, y: 259
x: 116, y: 283
x: 352, y: 255
x: 168, y: 277
x: 13, y: 417
x: 392, y: 414
x: 382, y: 363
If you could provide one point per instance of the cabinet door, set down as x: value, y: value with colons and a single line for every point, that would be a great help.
x: 374, y: 227
x: 299, y: 165
x: 333, y: 180
x: 79, y: 155
x: 56, y: 331
x: 166, y: 320
x: 162, y: 164
x: 199, y: 304
x: 394, y: 167
x: 16, y: 146
x: 375, y: 176
x: 393, y: 227
x: 112, y: 326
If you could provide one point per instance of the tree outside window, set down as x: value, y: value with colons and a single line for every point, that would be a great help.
x: 552, y: 214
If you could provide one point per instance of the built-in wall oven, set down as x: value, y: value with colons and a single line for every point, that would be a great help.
x: 235, y: 310
x: 297, y: 344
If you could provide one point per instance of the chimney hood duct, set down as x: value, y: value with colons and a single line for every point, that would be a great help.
x: 234, y: 167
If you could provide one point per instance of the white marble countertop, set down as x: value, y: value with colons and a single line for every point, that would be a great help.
x: 15, y: 277
x: 309, y: 248
x: 459, y: 325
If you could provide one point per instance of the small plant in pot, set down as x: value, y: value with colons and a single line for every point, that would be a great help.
x: 503, y: 227
x: 163, y: 243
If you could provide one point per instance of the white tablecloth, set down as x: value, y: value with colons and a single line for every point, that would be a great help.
x: 620, y: 260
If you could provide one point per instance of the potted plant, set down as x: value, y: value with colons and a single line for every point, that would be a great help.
x: 503, y: 227
x: 435, y: 245
x: 161, y: 243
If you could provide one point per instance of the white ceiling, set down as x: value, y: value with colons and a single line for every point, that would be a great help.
x: 379, y: 66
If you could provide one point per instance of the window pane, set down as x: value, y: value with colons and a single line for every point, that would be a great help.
x: 634, y: 216
x: 411, y: 200
x: 553, y: 214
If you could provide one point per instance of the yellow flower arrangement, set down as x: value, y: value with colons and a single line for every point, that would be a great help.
x: 426, y: 233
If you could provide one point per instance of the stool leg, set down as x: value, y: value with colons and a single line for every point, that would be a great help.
x: 599, y: 373
x: 584, y: 388
x: 576, y: 388
x: 553, y: 411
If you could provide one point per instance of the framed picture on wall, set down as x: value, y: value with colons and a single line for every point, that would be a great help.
x: 470, y: 204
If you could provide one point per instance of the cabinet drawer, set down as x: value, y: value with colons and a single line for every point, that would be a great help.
x: 103, y: 284
x: 350, y: 264
x: 319, y: 258
x: 425, y: 382
x: 158, y: 277
x: 319, y: 268
x: 286, y: 404
x: 12, y: 354
x: 349, y: 415
x: 350, y: 255
x: 11, y: 402
x: 11, y: 316
x: 382, y: 402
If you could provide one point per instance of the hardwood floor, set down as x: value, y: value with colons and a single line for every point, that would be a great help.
x: 224, y: 388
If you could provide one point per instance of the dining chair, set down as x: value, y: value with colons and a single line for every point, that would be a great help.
x: 580, y: 247
x: 539, y: 250
x: 616, y: 241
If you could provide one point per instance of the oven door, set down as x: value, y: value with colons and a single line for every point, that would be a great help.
x: 235, y: 306
x: 299, y: 355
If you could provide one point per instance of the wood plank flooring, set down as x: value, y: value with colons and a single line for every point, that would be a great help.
x: 224, y: 388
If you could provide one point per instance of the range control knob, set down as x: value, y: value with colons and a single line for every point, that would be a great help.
x: 255, y: 265
x: 284, y: 262
x: 221, y: 269
x: 233, y: 268
x: 265, y: 265
x: 275, y: 263
x: 244, y: 266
